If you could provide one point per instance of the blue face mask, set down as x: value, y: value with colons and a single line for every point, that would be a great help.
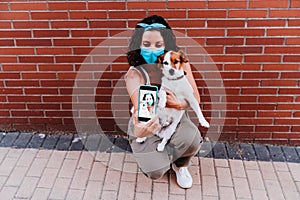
x: 150, y: 55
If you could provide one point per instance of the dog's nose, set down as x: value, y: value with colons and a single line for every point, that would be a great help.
x: 171, y: 71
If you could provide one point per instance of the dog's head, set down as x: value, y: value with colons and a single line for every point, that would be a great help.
x: 172, y: 63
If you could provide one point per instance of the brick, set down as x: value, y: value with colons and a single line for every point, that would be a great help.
x: 89, y: 33
x: 243, y: 50
x: 109, y: 195
x: 27, y: 188
x: 80, y: 179
x: 247, y: 13
x: 207, y: 14
x: 36, y: 59
x: 224, y: 177
x: 289, y: 58
x: 71, y: 42
x: 15, y: 34
x: 266, y: 23
x: 127, y: 190
x: 187, y: 4
x: 28, y: 6
x: 87, y: 14
x: 186, y: 23
x: 224, y: 41
x: 107, y: 24
x: 282, y: 32
x: 241, y: 188
x: 269, y: 4
x: 8, y: 192
x: 223, y: 4
x: 67, y: 5
x: 33, y: 42
x: 225, y: 23
x: 14, y: 16
x: 16, y: 177
x: 274, y: 189
x: 106, y: 6
x: 69, y: 24
x: 112, y: 179
x: 6, y: 42
x: 284, y: 13
x: 48, y: 15
x: 226, y: 193
x: 143, y: 184
x: 263, y: 58
x: 209, y: 185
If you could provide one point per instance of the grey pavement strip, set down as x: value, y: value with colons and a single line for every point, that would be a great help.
x: 109, y: 143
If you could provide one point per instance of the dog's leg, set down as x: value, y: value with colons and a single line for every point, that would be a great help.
x: 162, y: 98
x: 162, y: 144
x: 141, y: 140
x: 195, y: 106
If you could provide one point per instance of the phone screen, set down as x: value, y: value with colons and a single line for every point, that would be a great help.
x: 147, y: 102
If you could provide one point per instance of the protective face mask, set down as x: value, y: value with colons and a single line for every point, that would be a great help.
x: 150, y: 55
x: 150, y: 102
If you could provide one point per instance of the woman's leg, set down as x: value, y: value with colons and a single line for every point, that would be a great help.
x: 185, y: 142
x: 152, y: 163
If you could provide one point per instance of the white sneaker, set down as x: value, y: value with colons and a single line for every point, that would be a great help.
x: 183, y: 176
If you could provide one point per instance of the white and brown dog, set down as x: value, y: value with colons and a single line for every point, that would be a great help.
x: 174, y: 80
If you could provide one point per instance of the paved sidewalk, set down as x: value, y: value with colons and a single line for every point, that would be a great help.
x: 52, y: 174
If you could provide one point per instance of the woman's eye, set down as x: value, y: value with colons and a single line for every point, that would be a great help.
x: 158, y: 45
x: 146, y: 44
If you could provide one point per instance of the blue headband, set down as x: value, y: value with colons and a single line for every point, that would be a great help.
x: 151, y: 26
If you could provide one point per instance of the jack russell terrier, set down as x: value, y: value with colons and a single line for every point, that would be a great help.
x: 174, y: 80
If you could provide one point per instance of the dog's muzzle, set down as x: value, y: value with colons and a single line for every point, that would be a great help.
x: 171, y: 72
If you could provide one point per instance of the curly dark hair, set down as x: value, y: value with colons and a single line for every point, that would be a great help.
x: 134, y: 56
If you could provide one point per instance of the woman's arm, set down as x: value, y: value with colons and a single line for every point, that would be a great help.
x: 133, y: 80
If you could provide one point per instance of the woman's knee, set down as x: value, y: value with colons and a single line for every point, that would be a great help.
x: 156, y: 174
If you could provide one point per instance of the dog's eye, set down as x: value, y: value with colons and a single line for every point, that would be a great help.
x: 176, y: 61
x: 166, y: 63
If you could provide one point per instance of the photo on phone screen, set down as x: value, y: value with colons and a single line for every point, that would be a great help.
x: 147, y: 102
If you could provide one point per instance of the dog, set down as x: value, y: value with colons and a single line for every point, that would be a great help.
x: 143, y: 111
x: 174, y: 80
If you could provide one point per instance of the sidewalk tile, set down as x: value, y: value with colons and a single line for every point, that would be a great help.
x: 255, y: 180
x: 7, y: 166
x: 160, y: 191
x: 27, y: 157
x: 251, y: 165
x: 75, y: 194
x: 176, y: 197
x: 56, y: 159
x: 3, y: 180
x: 195, y: 192
x: 80, y: 179
x: 12, y: 153
x: 143, y: 184
x: 224, y: 177
x: 221, y: 163
x: 142, y: 196
x: 116, y: 161
x: 93, y: 190
x: 126, y: 191
x: 290, y: 195
x: 237, y: 168
x: 27, y: 187
x: 226, y: 193
x: 294, y: 169
x: 41, y: 194
x: 37, y: 167
x: 259, y: 195
x: 241, y: 188
x: 195, y: 172
x: 60, y: 188
x: 286, y: 182
x: 129, y: 172
x: 207, y: 166
x: 102, y: 156
x: 174, y: 187
x: 43, y: 153
x: 17, y: 176
x: 273, y: 189
x: 280, y: 166
x: 98, y: 171
x: 48, y: 178
x: 8, y: 192
x: 68, y: 168
x: 129, y: 157
x: 109, y: 195
x: 112, y: 180
x: 267, y: 171
x: 73, y: 155
x: 86, y: 160
x: 209, y: 185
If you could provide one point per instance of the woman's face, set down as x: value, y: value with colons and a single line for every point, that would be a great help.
x: 152, y: 40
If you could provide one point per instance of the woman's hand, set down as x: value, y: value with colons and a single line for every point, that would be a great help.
x: 143, y: 129
x: 174, y: 102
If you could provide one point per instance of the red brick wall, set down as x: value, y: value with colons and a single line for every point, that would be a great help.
x: 255, y: 45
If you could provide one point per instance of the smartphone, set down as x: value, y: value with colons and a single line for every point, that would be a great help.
x: 148, y: 95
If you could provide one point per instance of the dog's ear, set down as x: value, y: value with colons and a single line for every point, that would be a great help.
x: 160, y: 59
x: 183, y: 57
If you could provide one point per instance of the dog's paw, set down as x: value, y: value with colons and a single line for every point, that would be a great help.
x: 205, y: 124
x: 160, y: 147
x: 141, y: 140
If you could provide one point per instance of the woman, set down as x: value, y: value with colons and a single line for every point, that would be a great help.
x: 151, y: 38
